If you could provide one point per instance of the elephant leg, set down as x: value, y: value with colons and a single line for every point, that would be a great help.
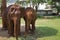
x: 10, y: 25
x: 33, y: 26
x: 27, y: 24
x: 10, y: 28
x: 18, y: 26
x: 29, y: 28
x: 25, y: 28
x: 15, y: 29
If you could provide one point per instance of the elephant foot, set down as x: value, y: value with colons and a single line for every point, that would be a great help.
x: 32, y: 32
x: 19, y: 33
x: 25, y: 35
x: 11, y: 35
x: 29, y: 28
x: 4, y: 29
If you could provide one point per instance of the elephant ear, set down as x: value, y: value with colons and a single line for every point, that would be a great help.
x: 10, y: 11
x: 22, y: 9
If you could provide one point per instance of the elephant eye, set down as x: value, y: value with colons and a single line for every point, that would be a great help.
x: 12, y: 9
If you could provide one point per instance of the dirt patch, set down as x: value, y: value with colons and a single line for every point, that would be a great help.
x: 4, y: 33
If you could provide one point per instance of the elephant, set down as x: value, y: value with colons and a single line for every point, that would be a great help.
x: 29, y: 15
x: 13, y: 17
x: 4, y: 18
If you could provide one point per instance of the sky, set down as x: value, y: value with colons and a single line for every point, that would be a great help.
x: 12, y: 1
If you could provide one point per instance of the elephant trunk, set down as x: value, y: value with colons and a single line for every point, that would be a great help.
x: 15, y: 28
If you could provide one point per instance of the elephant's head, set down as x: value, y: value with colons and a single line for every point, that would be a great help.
x: 15, y: 11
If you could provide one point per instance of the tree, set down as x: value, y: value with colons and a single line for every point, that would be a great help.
x: 57, y: 6
x: 56, y: 0
x: 36, y: 2
x: 0, y: 1
x: 3, y: 5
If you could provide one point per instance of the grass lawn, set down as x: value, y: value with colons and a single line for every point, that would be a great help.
x: 49, y: 29
x: 46, y: 29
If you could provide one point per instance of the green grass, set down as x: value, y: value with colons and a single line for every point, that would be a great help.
x: 49, y: 29
x: 46, y: 29
x: 0, y: 21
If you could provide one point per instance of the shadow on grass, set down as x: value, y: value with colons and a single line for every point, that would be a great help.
x: 45, y: 31
x: 41, y: 32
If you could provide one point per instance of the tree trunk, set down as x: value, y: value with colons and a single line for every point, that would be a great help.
x: 3, y: 15
x: 3, y: 6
